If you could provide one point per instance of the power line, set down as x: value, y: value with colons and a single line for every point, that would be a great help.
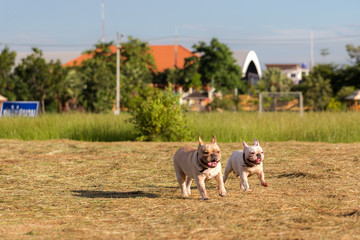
x: 258, y: 40
x: 272, y: 40
x: 46, y: 45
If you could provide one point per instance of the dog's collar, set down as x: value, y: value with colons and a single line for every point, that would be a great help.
x: 197, y: 158
x: 245, y: 162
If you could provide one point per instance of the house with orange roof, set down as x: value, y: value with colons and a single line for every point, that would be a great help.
x: 165, y: 56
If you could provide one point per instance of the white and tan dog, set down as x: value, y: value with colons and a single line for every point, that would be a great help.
x: 200, y: 164
x: 246, y: 163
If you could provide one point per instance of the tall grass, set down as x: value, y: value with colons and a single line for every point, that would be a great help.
x: 85, y: 127
x: 228, y: 127
x: 313, y: 126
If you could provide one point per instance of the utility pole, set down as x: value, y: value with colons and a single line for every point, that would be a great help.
x: 176, y: 48
x: 117, y: 110
x: 103, y: 21
x: 311, y: 50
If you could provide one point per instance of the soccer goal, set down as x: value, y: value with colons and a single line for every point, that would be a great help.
x: 281, y: 101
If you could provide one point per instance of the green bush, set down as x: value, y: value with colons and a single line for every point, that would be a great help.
x: 334, y: 105
x: 161, y: 118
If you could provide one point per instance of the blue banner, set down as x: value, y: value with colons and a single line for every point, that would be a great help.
x: 19, y: 108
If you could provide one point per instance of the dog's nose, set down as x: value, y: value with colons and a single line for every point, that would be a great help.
x: 213, y: 156
x: 258, y: 155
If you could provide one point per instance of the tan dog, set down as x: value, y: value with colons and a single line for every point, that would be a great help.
x: 246, y: 163
x: 199, y: 164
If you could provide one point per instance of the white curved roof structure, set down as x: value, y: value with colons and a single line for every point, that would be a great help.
x: 248, y: 61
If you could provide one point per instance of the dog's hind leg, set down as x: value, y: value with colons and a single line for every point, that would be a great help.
x: 182, y: 183
x: 228, y: 170
x: 181, y: 177
x: 221, y: 188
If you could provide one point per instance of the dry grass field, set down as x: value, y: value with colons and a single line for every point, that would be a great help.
x: 62, y: 189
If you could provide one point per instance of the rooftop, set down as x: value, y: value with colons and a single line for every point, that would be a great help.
x: 164, y: 56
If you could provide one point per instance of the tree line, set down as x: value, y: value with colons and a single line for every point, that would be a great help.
x: 328, y: 84
x: 90, y: 86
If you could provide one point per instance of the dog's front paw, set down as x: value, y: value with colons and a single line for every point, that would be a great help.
x: 185, y: 195
x: 265, y: 184
x: 222, y: 193
x: 204, y: 197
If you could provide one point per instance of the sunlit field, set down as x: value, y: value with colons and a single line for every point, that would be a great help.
x: 65, y: 189
x: 228, y: 127
x: 106, y: 185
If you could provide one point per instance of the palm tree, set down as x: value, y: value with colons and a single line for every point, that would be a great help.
x: 274, y: 81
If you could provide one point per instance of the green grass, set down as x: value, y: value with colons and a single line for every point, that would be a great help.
x: 313, y: 126
x: 86, y: 127
x: 228, y: 127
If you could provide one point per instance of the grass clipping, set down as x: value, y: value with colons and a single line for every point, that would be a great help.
x: 128, y: 190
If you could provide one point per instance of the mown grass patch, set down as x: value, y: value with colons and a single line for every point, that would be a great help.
x: 62, y: 189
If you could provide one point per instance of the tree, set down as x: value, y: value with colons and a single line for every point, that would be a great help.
x: 354, y: 52
x: 33, y: 79
x: 329, y: 71
x: 339, y: 98
x: 186, y: 77
x: 350, y: 76
x: 218, y: 67
x: 98, y: 79
x: 68, y: 89
x: 344, y: 92
x: 190, y: 76
x: 317, y: 92
x: 7, y: 61
x: 137, y: 70
x: 324, y: 52
x: 274, y: 81
x: 161, y: 117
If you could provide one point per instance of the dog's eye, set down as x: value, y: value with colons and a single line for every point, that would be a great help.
x: 252, y: 152
x: 206, y: 153
x: 218, y: 151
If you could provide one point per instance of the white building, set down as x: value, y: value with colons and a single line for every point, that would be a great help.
x: 250, y: 65
x: 292, y: 71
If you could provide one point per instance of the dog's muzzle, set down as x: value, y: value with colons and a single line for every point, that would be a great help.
x: 213, y: 163
x: 255, y: 161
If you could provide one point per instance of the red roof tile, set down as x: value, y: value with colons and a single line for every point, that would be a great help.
x: 164, y: 56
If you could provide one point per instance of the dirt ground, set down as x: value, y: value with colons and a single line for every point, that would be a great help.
x: 64, y: 189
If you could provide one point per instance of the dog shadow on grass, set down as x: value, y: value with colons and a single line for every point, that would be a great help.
x: 107, y: 194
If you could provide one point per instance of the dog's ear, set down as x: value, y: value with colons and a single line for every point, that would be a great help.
x: 256, y: 142
x: 213, y: 141
x: 201, y: 141
x: 245, y: 145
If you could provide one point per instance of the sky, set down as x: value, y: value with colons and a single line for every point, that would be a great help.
x: 279, y: 31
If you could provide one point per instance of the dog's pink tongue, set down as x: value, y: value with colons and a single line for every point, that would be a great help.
x: 212, y: 164
x: 258, y: 160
